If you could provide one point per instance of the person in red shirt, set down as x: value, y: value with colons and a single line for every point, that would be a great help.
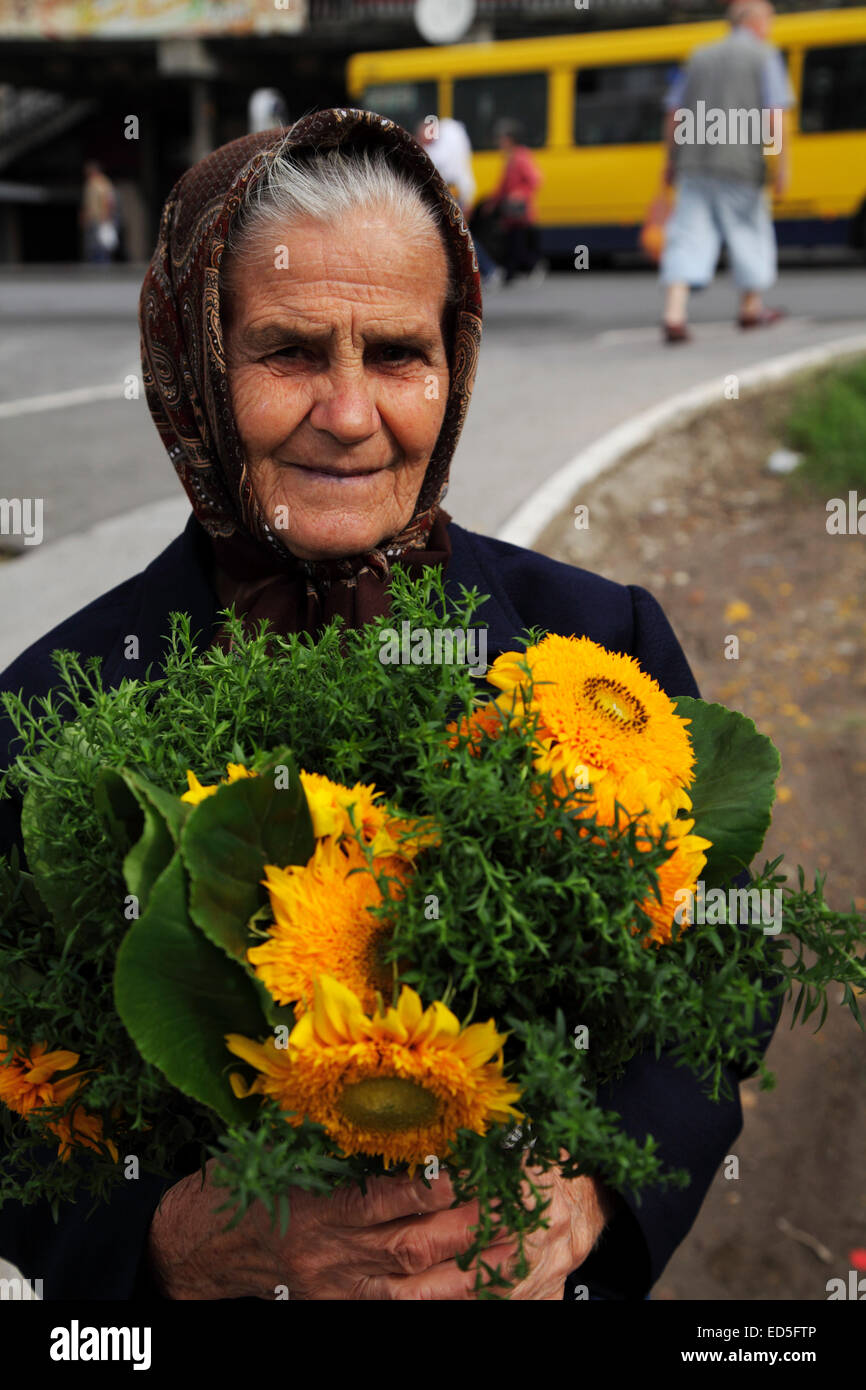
x: 515, y: 201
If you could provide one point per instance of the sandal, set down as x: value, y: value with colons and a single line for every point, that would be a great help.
x: 676, y: 333
x: 762, y: 320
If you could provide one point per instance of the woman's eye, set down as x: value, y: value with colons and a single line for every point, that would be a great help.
x: 292, y: 352
x: 391, y: 354
x: 395, y: 353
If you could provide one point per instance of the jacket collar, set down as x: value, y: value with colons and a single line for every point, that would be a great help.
x: 179, y: 579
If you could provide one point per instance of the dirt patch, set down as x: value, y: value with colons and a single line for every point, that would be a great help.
x: 733, y: 551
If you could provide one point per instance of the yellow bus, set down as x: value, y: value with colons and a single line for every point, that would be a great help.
x: 591, y: 106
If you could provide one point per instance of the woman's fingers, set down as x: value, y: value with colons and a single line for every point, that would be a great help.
x: 363, y: 1232
x: 406, y: 1247
x: 442, y: 1281
x: 383, y: 1243
x: 387, y: 1199
x: 412, y: 1246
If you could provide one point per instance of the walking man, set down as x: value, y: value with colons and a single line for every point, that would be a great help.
x: 723, y: 109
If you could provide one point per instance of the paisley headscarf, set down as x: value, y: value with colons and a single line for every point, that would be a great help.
x: 187, y: 385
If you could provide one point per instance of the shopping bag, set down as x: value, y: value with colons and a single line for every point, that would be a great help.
x: 652, y: 234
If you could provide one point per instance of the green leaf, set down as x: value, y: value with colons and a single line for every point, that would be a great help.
x: 274, y: 1013
x: 178, y: 996
x: 144, y: 816
x: 30, y: 893
x: 46, y: 867
x: 733, y: 791
x: 228, y: 840
x: 173, y: 810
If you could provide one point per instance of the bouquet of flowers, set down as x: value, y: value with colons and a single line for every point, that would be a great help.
x: 325, y: 916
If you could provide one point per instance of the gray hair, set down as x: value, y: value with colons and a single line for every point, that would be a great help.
x: 330, y: 185
x: 741, y: 11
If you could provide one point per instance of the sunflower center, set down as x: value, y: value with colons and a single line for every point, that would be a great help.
x: 616, y: 701
x: 388, y: 1103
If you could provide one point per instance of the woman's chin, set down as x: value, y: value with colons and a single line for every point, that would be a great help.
x: 334, y: 540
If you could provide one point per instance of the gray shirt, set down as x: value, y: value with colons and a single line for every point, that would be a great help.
x: 722, y: 100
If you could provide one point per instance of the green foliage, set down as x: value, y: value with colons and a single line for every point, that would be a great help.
x: 145, y: 817
x: 230, y: 838
x: 733, y: 789
x: 178, y: 995
x: 512, y: 915
x: 827, y: 423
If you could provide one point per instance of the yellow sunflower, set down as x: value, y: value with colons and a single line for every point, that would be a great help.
x: 332, y: 809
x: 322, y: 924
x: 198, y: 793
x: 399, y: 1084
x: 639, y: 796
x: 677, y: 874
x: 599, y: 713
x: 28, y: 1083
x: 636, y: 793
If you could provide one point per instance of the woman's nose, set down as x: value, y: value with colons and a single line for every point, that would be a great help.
x: 346, y: 406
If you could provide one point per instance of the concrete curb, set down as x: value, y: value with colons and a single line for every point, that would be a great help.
x: 554, y: 495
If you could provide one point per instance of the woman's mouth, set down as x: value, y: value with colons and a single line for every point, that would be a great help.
x: 339, y: 476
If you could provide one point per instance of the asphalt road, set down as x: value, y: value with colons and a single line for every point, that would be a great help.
x: 561, y: 363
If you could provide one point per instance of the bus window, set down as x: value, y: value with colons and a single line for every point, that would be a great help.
x: 479, y: 102
x: 834, y: 89
x: 407, y: 103
x: 621, y: 105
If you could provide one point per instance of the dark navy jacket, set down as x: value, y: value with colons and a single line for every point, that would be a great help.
x: 103, y: 1257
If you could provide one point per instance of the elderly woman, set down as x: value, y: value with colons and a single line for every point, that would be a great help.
x: 310, y: 329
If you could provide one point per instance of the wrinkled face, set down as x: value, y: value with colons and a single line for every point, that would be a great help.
x: 339, y: 376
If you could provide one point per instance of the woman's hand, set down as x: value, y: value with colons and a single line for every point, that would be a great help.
x: 399, y: 1241
x: 578, y: 1213
x: 396, y: 1242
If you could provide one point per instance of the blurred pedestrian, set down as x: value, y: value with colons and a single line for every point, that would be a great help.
x: 447, y: 143
x: 98, y: 215
x: 723, y: 109
x: 266, y: 109
x: 514, y: 199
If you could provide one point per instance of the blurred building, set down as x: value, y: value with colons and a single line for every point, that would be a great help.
x: 145, y: 87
